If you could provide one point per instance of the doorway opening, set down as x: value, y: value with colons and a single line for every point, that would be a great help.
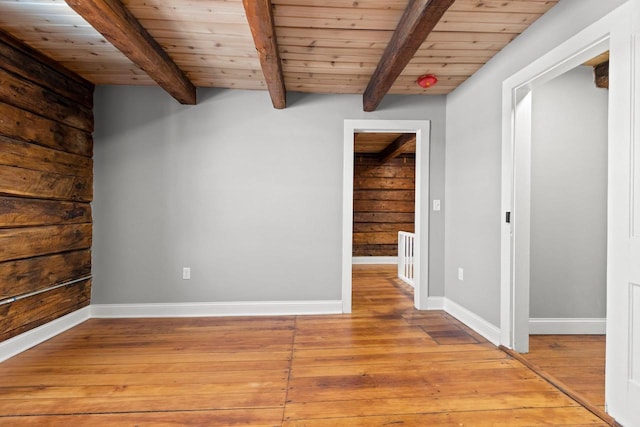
x: 554, y: 235
x: 617, y: 32
x: 383, y: 195
x: 384, y: 201
x: 413, y: 128
x: 568, y: 229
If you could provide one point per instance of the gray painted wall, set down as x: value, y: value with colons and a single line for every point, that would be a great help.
x: 247, y: 196
x: 473, y: 157
x: 569, y: 197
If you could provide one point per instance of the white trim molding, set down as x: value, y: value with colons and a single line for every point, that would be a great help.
x: 374, y: 260
x: 472, y: 320
x: 216, y: 309
x: 578, y: 326
x: 421, y: 250
x: 600, y: 36
x: 38, y: 335
x: 436, y: 303
x: 33, y: 337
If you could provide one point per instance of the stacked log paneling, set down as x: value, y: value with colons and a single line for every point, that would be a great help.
x: 383, y: 203
x: 46, y: 189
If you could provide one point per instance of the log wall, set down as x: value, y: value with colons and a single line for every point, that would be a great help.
x: 383, y: 204
x: 46, y: 189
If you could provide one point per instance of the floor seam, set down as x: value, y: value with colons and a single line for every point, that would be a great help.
x: 560, y: 386
x: 293, y: 346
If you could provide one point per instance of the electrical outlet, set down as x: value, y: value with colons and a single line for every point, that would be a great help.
x: 186, y: 273
x: 460, y: 273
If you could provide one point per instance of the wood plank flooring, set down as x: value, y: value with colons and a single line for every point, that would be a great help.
x: 576, y: 360
x: 385, y: 364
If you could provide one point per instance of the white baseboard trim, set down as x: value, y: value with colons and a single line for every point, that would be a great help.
x: 217, y: 309
x: 472, y: 320
x: 374, y: 260
x: 435, y: 303
x: 575, y: 326
x: 26, y: 340
x: 33, y: 337
x: 38, y: 335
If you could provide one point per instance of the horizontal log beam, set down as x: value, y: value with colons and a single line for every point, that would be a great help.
x: 384, y: 183
x: 416, y: 23
x: 44, y: 185
x: 31, y: 156
x: 378, y: 238
x: 25, y: 126
x: 386, y: 171
x: 383, y: 206
x: 370, y: 227
x: 32, y: 65
x: 21, y: 212
x: 404, y: 195
x: 25, y: 314
x: 371, y: 160
x: 42, y: 101
x: 375, y: 250
x: 383, y: 217
x: 34, y: 274
x: 20, y: 243
x: 114, y: 21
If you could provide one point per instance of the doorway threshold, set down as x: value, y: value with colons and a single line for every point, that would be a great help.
x: 564, y: 388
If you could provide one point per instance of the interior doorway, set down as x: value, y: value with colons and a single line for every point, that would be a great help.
x: 568, y: 227
x: 419, y: 128
x: 618, y: 33
x: 522, y: 293
x: 516, y: 194
x: 568, y: 208
x: 383, y: 195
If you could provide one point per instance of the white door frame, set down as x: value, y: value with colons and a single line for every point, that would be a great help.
x: 620, y: 31
x: 516, y: 172
x: 421, y: 252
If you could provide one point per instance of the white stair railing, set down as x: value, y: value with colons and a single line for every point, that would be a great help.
x: 405, y: 256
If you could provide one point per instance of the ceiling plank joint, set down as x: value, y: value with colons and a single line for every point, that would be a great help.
x: 260, y: 18
x: 416, y: 23
x: 114, y: 21
x: 396, y: 147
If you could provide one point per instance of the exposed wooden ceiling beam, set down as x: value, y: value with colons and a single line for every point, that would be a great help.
x: 396, y: 147
x: 601, y: 72
x: 260, y: 19
x: 417, y: 21
x: 111, y: 19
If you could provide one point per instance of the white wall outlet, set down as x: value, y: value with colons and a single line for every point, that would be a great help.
x: 186, y: 273
x: 436, y: 205
x: 460, y: 273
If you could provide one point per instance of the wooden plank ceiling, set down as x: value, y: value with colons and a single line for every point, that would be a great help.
x: 385, y: 146
x: 320, y: 46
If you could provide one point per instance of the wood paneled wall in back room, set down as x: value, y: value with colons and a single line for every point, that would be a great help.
x: 383, y: 203
x: 46, y: 186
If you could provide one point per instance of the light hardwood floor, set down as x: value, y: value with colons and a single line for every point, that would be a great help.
x: 576, y: 360
x: 385, y: 364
